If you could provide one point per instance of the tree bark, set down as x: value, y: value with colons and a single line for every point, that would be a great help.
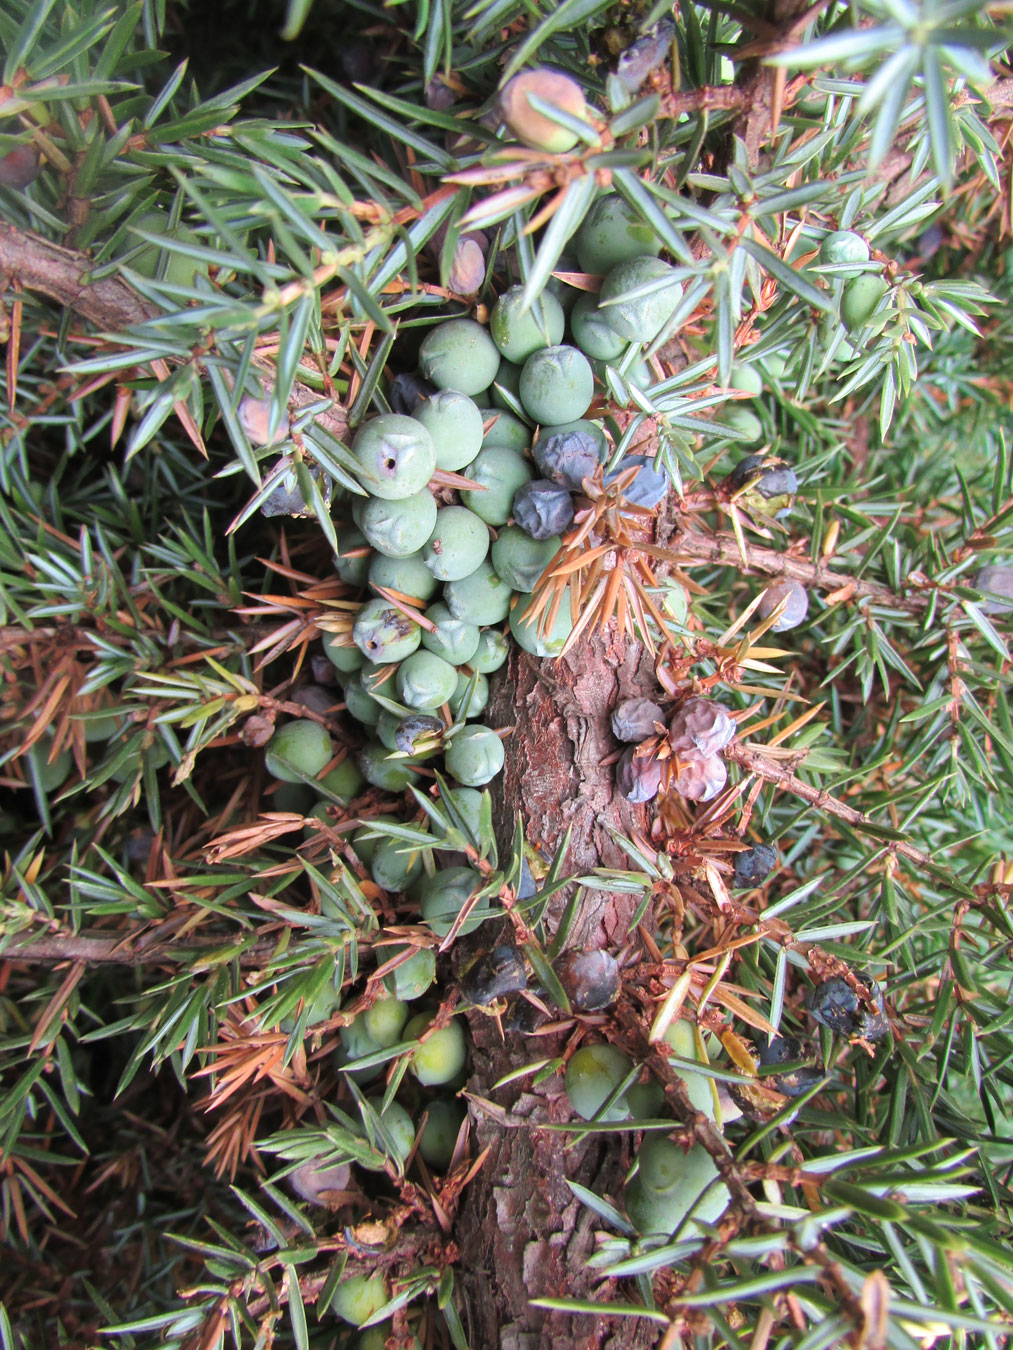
x: 526, y: 1234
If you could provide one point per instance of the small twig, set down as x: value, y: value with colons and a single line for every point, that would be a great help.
x: 724, y: 550
x: 121, y: 949
x: 752, y: 759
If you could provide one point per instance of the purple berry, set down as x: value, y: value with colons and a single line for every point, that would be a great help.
x: 634, y: 719
x: 543, y: 509
x: 700, y: 779
x: 407, y: 391
x: 701, y: 727
x: 591, y: 979
x: 638, y: 778
x: 795, y: 610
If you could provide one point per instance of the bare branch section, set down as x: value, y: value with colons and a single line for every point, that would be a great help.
x: 63, y: 275
x: 724, y: 550
x: 122, y: 949
x: 752, y: 759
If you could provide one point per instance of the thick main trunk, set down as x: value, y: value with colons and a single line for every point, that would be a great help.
x: 523, y: 1233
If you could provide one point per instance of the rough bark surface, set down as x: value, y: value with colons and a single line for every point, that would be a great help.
x: 525, y: 1234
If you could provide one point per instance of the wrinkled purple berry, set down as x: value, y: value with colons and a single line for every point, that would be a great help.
x: 795, y: 610
x: 543, y: 509
x: 407, y: 391
x: 700, y: 778
x: 568, y: 457
x: 755, y: 865
x: 649, y: 485
x: 701, y: 727
x: 789, y: 1050
x: 638, y: 779
x: 634, y: 719
x: 591, y: 979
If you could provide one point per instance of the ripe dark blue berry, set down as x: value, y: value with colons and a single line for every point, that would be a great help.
x: 498, y: 972
x: 543, y: 509
x: 764, y: 483
x: 649, y: 485
x: 591, y: 979
x: 755, y: 865
x: 407, y: 391
x: 416, y: 733
x: 836, y: 1006
x: 570, y: 454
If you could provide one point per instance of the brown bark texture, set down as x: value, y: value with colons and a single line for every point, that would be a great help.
x: 524, y: 1233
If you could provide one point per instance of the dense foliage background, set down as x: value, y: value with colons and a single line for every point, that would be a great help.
x: 232, y: 200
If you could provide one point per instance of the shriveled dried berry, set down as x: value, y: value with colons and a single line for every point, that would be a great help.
x: 700, y: 779
x: 407, y: 391
x: 755, y: 865
x: 702, y: 726
x: 835, y: 1005
x: 416, y: 733
x: 569, y: 454
x: 645, y: 55
x: 498, y: 972
x: 591, y: 979
x: 19, y: 167
x: 638, y: 778
x: 543, y: 509
x: 633, y: 719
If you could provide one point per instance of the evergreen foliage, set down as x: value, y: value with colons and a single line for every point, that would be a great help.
x: 224, y: 214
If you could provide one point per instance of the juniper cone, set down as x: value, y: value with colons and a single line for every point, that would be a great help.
x: 769, y: 278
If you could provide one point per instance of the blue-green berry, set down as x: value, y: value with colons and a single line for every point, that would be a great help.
x: 391, y: 775
x: 475, y: 756
x: 397, y: 528
x: 612, y: 232
x: 530, y: 634
x: 638, y: 298
x: 397, y: 456
x: 456, y: 640
x: 518, y: 332
x: 504, y: 428
x: 454, y: 421
x: 461, y: 705
x: 443, y: 896
x: 383, y: 634
x: 408, y: 576
x: 592, y: 333
x: 493, y: 649
x: 458, y: 543
x: 557, y: 385
x: 425, y: 680
x: 521, y: 560
x: 502, y: 473
x: 297, y: 748
x: 459, y: 354
x: 483, y: 597
x: 351, y: 562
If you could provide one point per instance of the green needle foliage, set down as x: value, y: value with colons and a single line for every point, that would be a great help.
x: 199, y: 1143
